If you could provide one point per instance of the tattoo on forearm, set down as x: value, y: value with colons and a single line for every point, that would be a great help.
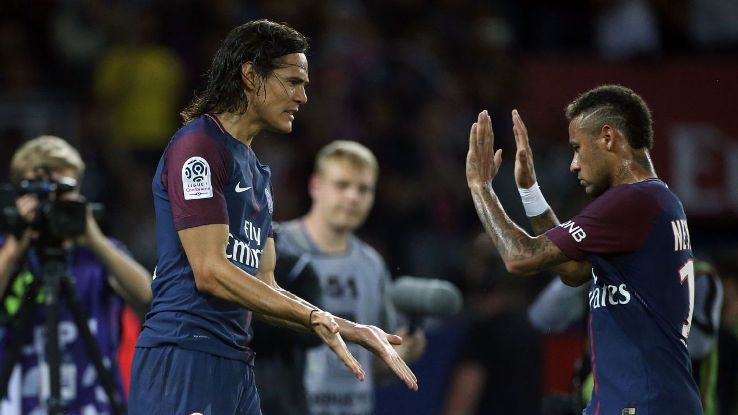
x: 543, y: 222
x: 512, y: 242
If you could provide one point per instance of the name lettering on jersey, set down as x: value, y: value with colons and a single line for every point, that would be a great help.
x: 242, y: 251
x: 575, y: 231
x: 681, y: 235
x: 602, y: 296
x: 196, y: 180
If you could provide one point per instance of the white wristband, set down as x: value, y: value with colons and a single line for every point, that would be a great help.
x: 533, y: 200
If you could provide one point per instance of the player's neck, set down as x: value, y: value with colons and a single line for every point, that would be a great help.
x: 634, y: 169
x: 240, y: 126
x: 326, y: 238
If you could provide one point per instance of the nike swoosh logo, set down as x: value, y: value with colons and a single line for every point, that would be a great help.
x: 240, y: 189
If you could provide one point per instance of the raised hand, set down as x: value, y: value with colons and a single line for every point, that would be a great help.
x: 525, y: 173
x: 381, y: 344
x: 482, y: 162
x: 325, y: 326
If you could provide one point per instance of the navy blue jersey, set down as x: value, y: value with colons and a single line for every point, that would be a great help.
x: 205, y: 176
x: 641, y: 300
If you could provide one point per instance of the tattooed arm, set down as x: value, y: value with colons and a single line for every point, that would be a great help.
x: 522, y: 253
x: 571, y: 272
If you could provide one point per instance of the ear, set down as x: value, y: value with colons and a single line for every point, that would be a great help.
x: 313, y: 186
x: 608, y: 137
x: 249, y: 76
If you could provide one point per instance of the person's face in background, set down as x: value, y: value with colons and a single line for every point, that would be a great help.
x: 343, y: 194
x: 590, y: 161
x: 274, y: 101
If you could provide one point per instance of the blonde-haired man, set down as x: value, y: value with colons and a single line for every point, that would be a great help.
x: 353, y: 276
x: 46, y: 152
x: 105, y: 277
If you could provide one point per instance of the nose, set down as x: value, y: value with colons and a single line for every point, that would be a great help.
x: 574, y: 166
x: 301, y: 95
x: 352, y: 194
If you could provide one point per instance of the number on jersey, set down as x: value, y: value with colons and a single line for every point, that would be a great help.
x: 686, y: 274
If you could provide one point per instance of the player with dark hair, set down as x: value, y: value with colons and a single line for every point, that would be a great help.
x: 632, y: 241
x: 216, y: 256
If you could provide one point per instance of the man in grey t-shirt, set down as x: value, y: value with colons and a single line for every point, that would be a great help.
x: 354, y: 278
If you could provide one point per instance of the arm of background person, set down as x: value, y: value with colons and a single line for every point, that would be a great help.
x: 708, y: 301
x: 11, y: 253
x: 465, y: 389
x: 127, y: 277
x: 13, y: 248
x: 558, y: 306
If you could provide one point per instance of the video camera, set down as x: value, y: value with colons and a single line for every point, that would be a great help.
x: 55, y: 219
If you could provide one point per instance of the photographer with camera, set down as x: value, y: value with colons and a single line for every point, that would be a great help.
x: 52, y: 223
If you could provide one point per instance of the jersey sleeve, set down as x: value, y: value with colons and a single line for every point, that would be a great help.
x: 618, y: 221
x: 196, y: 174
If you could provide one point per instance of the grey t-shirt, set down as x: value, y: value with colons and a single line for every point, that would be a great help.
x: 354, y: 286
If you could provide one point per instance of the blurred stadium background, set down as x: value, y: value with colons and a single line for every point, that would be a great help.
x: 406, y: 78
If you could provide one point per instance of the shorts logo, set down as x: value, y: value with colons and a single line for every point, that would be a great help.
x: 196, y: 181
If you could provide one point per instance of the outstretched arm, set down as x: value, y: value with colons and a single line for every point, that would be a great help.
x: 522, y: 253
x: 205, y: 247
x: 371, y: 338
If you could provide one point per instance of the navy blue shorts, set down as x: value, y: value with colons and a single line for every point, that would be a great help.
x: 173, y: 381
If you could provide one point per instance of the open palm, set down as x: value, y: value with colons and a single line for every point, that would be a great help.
x: 381, y: 344
x: 482, y: 162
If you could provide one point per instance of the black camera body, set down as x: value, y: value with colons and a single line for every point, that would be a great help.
x: 55, y: 219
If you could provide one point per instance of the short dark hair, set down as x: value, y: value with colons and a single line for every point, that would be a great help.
x: 618, y: 106
x: 258, y: 41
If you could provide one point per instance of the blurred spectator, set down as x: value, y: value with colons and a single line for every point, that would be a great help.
x: 282, y: 352
x: 727, y: 379
x: 713, y: 25
x: 626, y: 29
x: 139, y: 84
x: 354, y: 279
x: 499, y: 369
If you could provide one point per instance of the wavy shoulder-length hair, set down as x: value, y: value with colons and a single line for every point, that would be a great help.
x: 260, y: 42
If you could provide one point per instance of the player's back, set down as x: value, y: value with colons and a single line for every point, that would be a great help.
x: 636, y: 238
